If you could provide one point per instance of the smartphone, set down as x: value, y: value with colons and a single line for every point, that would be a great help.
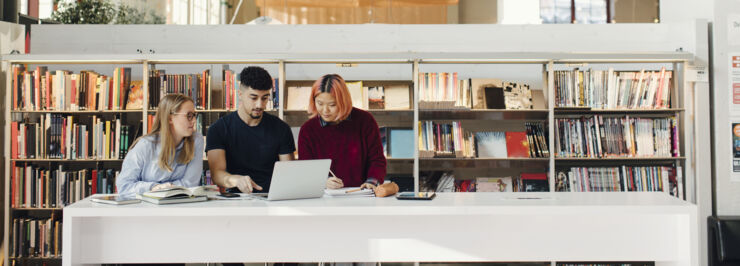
x: 415, y: 196
x: 229, y: 195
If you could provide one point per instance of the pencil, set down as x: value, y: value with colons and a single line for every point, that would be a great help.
x: 353, y: 190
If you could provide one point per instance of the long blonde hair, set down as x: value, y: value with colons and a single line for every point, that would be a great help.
x: 162, y: 131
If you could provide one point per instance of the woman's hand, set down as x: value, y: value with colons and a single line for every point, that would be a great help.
x: 161, y: 186
x: 368, y: 186
x: 334, y: 183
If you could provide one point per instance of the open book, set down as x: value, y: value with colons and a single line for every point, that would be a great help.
x: 181, y: 192
x: 349, y: 192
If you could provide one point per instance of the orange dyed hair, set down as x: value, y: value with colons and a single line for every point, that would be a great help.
x: 332, y: 84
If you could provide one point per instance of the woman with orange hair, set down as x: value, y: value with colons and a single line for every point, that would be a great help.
x: 348, y: 136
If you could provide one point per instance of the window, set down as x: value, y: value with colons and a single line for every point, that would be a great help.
x: 555, y: 11
x: 591, y: 11
x: 574, y: 11
x: 202, y: 12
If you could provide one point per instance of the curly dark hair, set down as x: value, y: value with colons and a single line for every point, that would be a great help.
x: 256, y: 78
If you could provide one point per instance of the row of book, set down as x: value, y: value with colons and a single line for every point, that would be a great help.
x: 449, y: 140
x: 195, y: 86
x: 389, y: 97
x: 447, y: 182
x: 504, y: 184
x: 57, y: 136
x: 38, y: 187
x: 444, y: 87
x: 531, y: 143
x: 446, y: 90
x: 445, y: 140
x: 609, y: 89
x: 62, y: 90
x: 602, y: 137
x: 621, y: 178
x: 33, y: 237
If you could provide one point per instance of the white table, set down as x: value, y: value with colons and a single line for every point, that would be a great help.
x: 472, y: 227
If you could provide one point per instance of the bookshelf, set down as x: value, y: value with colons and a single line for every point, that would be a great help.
x: 380, y: 69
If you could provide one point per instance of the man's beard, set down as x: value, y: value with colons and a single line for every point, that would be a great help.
x: 256, y: 116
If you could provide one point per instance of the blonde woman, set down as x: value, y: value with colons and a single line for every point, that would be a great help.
x: 170, y: 155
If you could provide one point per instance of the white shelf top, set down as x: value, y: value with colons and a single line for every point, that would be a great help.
x: 407, y: 57
x: 443, y: 204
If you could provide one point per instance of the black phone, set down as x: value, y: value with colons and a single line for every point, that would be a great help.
x: 415, y: 196
x: 229, y: 195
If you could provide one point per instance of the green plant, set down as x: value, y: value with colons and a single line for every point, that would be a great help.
x: 102, y: 12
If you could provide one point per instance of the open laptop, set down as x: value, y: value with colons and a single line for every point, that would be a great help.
x: 297, y: 180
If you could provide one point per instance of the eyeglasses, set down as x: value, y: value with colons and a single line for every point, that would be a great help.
x: 189, y: 115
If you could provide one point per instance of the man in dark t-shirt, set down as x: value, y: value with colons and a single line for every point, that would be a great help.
x: 242, y: 147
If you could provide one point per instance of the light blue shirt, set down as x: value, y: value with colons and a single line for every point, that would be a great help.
x: 140, y: 171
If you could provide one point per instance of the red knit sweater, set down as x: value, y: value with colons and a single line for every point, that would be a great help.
x: 353, y: 146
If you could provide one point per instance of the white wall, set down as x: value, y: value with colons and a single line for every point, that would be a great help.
x: 727, y: 191
x: 231, y: 39
x: 672, y: 11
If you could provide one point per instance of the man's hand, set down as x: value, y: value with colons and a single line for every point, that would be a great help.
x: 242, y: 182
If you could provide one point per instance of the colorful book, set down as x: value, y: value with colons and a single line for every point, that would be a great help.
x: 517, y: 145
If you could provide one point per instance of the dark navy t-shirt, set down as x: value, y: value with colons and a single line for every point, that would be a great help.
x: 251, y: 151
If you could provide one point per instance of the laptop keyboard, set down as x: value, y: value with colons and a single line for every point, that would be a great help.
x: 259, y: 195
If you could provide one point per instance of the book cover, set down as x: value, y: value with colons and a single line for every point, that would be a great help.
x: 517, y: 145
x: 491, y: 144
x: 298, y: 98
x: 135, y: 95
x: 376, y: 97
x: 478, y: 93
x: 517, y: 96
x: 172, y: 200
x: 465, y: 185
x: 358, y: 94
x: 175, y: 191
x: 494, y: 98
x: 397, y: 97
x: 494, y: 184
x: 534, y: 182
x: 401, y: 143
